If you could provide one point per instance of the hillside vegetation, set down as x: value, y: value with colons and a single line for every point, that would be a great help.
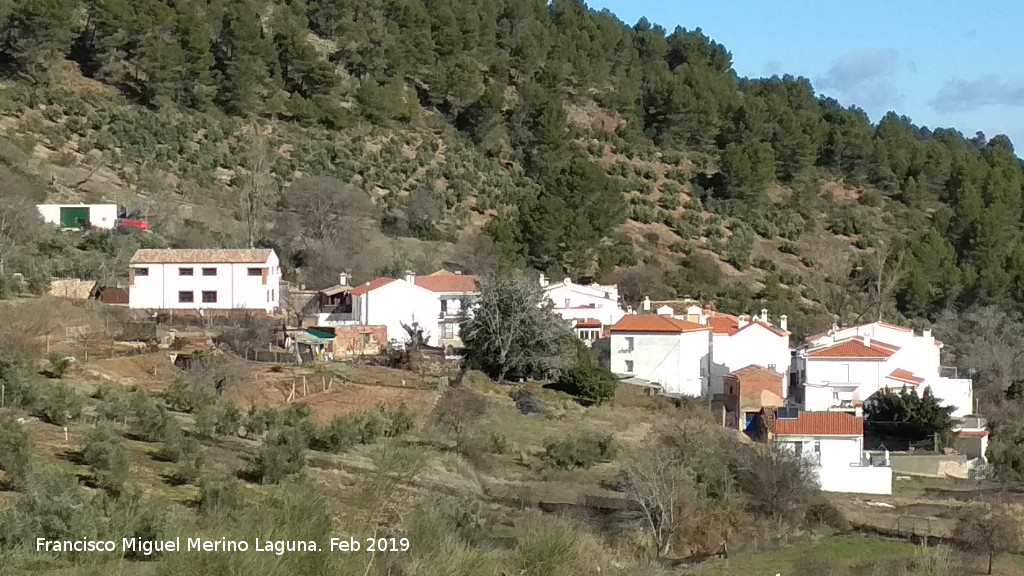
x: 576, y: 143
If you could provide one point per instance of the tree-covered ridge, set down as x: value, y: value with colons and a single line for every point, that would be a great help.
x: 683, y: 147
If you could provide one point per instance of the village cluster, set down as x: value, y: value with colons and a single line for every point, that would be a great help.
x: 808, y: 399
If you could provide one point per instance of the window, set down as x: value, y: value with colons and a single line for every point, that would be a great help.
x: 142, y: 271
x: 186, y: 296
x: 798, y: 448
x: 209, y: 271
x: 449, y: 331
x: 629, y: 344
x: 184, y: 271
x: 366, y: 338
x: 210, y: 296
x: 629, y: 366
x: 255, y: 271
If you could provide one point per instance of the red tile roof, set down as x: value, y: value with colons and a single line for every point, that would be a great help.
x: 855, y: 348
x: 820, y: 424
x: 445, y: 282
x: 728, y: 324
x: 371, y: 285
x: 901, y: 375
x: 588, y: 323
x: 654, y: 323
x: 972, y: 433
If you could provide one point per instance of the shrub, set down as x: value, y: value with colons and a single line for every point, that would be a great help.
x: 219, y: 496
x: 588, y: 383
x: 218, y: 418
x: 58, y: 403
x: 15, y: 450
x: 106, y: 459
x: 186, y: 395
x: 579, y: 450
x: 149, y: 419
x: 497, y: 443
x: 60, y: 364
x: 281, y: 455
x: 53, y: 507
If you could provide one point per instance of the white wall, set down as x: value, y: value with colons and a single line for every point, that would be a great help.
x: 396, y: 302
x: 752, y: 345
x: 957, y: 392
x: 839, y: 464
x: 856, y: 479
x: 100, y: 215
x: 569, y: 300
x: 235, y: 288
x: 678, y: 362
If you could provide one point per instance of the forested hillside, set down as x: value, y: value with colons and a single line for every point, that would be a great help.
x: 347, y: 133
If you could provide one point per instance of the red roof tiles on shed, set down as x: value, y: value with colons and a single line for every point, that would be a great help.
x: 657, y: 324
x: 820, y: 424
x: 901, y: 375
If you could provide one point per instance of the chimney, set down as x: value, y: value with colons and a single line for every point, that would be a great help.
x: 867, y: 341
x: 647, y: 304
x: 784, y: 323
x: 742, y: 321
x: 343, y: 279
x: 302, y: 287
x: 927, y: 333
x: 629, y: 310
x: 858, y: 411
x: 703, y: 320
x: 410, y: 276
x: 458, y: 272
x: 543, y: 280
x: 764, y: 315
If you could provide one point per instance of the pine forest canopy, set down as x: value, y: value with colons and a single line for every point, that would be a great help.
x: 717, y: 162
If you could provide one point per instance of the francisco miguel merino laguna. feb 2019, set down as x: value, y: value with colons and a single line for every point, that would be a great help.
x: 279, y: 547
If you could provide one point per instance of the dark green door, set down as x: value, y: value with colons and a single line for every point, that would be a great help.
x: 73, y: 216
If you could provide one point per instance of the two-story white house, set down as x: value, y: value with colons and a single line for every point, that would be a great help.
x: 392, y: 302
x: 736, y: 341
x: 834, y: 444
x: 673, y: 354
x: 590, y: 308
x: 455, y: 293
x: 204, y: 279
x: 842, y: 368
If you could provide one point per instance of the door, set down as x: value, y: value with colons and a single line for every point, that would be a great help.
x: 74, y: 216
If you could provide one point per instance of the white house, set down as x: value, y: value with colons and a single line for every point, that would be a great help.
x: 833, y: 442
x: 455, y: 293
x: 391, y: 302
x: 589, y: 307
x: 77, y: 216
x: 737, y: 341
x: 215, y: 279
x: 842, y: 368
x: 671, y: 353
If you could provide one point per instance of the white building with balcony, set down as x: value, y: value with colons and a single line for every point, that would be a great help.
x: 590, y: 308
x: 436, y: 303
x: 842, y: 368
x: 834, y: 444
x: 200, y: 280
x: 670, y: 354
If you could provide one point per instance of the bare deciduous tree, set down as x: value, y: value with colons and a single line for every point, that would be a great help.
x: 986, y: 343
x: 255, y: 183
x: 887, y: 271
x: 989, y: 528
x: 656, y: 483
x: 327, y: 207
x: 20, y: 222
x: 457, y: 411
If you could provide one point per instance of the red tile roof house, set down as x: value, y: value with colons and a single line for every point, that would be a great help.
x: 737, y: 341
x: 833, y: 441
x: 839, y: 370
x: 433, y: 302
x: 661, y: 351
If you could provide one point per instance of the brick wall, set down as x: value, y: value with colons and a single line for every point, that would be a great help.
x: 360, y: 340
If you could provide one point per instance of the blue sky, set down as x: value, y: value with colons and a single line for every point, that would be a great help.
x: 942, y: 63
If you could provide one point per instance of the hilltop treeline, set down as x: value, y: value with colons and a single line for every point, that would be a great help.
x: 505, y: 72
